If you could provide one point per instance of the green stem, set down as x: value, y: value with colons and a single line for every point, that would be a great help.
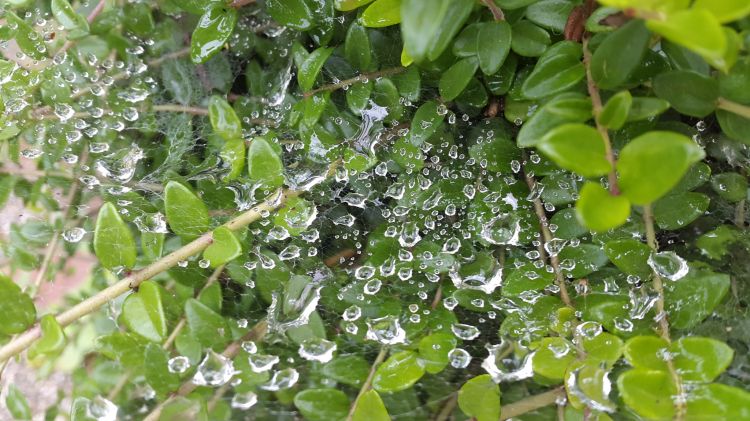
x: 361, y: 78
x: 531, y: 403
x: 733, y: 107
x: 368, y: 383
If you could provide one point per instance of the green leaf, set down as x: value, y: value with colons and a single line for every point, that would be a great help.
x: 735, y: 85
x: 586, y: 259
x: 143, y: 312
x: 630, y: 256
x: 264, y: 164
x: 212, y: 32
x: 529, y: 40
x: 552, y: 358
x: 207, y: 326
x: 644, y: 108
x: 619, y: 55
x: 347, y: 5
x: 233, y: 155
x: 382, y: 13
x: 735, y: 126
x: 370, y: 408
x: 399, y: 372
x: 52, y: 341
x: 724, y: 11
x: 491, y: 55
x: 113, y: 242
x: 453, y: 20
x: 554, y: 73
x: 615, y: 112
x: 292, y: 13
x: 688, y: 92
x: 348, y: 369
x: 223, y: 119
x: 648, y: 393
x: 425, y: 122
x: 357, y: 47
x: 29, y: 41
x: 646, y: 352
x: 68, y: 18
x: 564, y: 108
x: 700, y: 359
x: 679, y: 27
x: 224, y: 248
x: 480, y: 398
x: 730, y: 186
x: 550, y: 14
x: 434, y: 349
x: 156, y: 369
x: 578, y: 148
x: 651, y: 164
x: 186, y: 214
x: 322, y: 404
x: 600, y: 211
x: 457, y: 77
x: 358, y: 97
x: 526, y: 277
x: 467, y: 43
x: 679, y: 210
x: 17, y: 404
x: 718, y: 401
x: 694, y: 297
x: 311, y: 67
x: 716, y: 243
x: 421, y: 25
x: 604, y: 347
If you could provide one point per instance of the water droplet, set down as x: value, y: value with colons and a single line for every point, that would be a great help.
x: 262, y: 362
x: 459, y: 358
x: 668, y: 265
x: 501, y: 365
x: 317, y: 349
x: 101, y: 409
x: 282, y: 379
x: 386, y: 330
x: 244, y: 401
x: 215, y: 370
x: 179, y: 364
x: 73, y: 235
x: 464, y: 331
x: 503, y: 229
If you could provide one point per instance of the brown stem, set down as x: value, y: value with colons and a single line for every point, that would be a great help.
x: 176, y: 108
x: 240, y: 3
x: 96, y: 11
x: 739, y: 214
x: 547, y: 237
x: 368, y: 383
x: 497, y: 12
x: 596, y: 102
x: 661, y: 314
x: 361, y: 78
x: 448, y: 407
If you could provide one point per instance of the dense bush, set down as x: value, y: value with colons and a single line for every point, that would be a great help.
x: 388, y: 209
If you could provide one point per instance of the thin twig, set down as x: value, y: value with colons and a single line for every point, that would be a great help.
x: 596, y: 102
x: 110, y: 293
x: 739, y: 214
x: 96, y: 11
x: 497, y: 12
x: 240, y: 3
x: 661, y: 314
x: 448, y: 407
x: 361, y: 78
x: 531, y: 403
x: 368, y: 383
x: 733, y: 107
x: 180, y: 109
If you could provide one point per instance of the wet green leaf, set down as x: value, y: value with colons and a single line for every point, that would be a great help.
x: 311, y: 67
x: 651, y: 164
x: 357, y: 47
x: 64, y: 13
x: 688, y: 92
x: 207, y: 326
x: 564, y: 108
x: 599, y: 210
x: 157, y: 372
x: 143, y: 312
x: 382, y: 13
x: 421, y: 25
x: 233, y: 154
x: 700, y: 359
x: 679, y: 27
x: 223, y: 119
x: 434, y: 349
x: 679, y: 210
x: 718, y: 401
x: 29, y: 41
x: 578, y: 148
x: 648, y: 392
x: 604, y: 347
x: 264, y: 164
x: 346, y: 5
x: 716, y: 243
x: 552, y: 358
x: 113, y: 242
x: 348, y: 369
x: 619, y: 55
x: 187, y: 215
x: 399, y: 372
x: 644, y: 108
x: 212, y: 32
x: 694, y: 297
x: 224, y: 248
x: 425, y: 123
x: 295, y: 14
x: 370, y: 408
x: 730, y: 186
x: 480, y: 398
x: 492, y: 54
x: 322, y: 404
x: 630, y: 256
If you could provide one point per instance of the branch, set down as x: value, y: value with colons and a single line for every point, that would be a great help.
x: 368, y: 383
x: 734, y: 107
x: 180, y: 109
x: 240, y: 3
x: 547, y: 237
x: 661, y: 314
x: 531, y: 403
x: 96, y: 11
x: 361, y: 78
x: 497, y: 12
x: 596, y: 102
x: 92, y: 304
